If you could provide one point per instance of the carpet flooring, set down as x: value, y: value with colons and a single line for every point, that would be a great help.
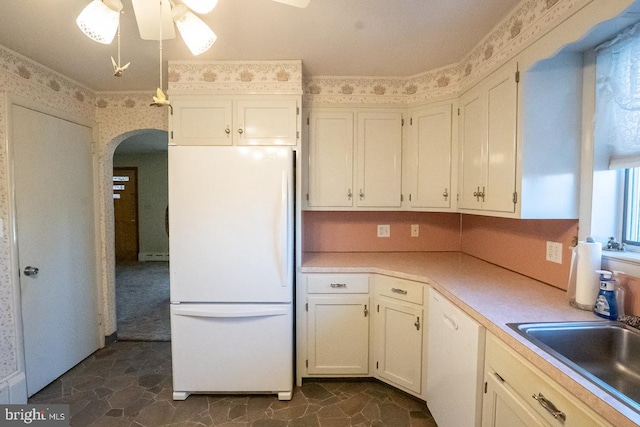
x: 142, y: 301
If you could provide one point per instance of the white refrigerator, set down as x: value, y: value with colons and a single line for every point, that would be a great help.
x: 231, y: 225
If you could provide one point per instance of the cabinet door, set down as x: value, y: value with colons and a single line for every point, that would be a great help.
x: 399, y: 344
x: 503, y: 408
x: 266, y: 122
x: 502, y: 102
x: 430, y: 170
x: 330, y: 159
x: 454, y: 364
x: 202, y: 122
x: 473, y: 139
x: 338, y: 333
x: 379, y: 161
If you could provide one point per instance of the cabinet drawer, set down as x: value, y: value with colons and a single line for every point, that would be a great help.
x: 404, y: 290
x: 527, y: 381
x: 337, y: 283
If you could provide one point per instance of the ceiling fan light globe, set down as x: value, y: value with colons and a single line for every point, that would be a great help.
x: 297, y: 3
x: 201, y: 6
x: 196, y: 34
x: 99, y: 20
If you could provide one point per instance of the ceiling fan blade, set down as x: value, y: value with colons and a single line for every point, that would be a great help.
x: 296, y: 3
x: 148, y: 17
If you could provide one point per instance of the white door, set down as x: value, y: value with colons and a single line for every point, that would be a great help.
x: 266, y: 122
x: 230, y: 224
x: 53, y: 172
x: 202, y: 122
x: 473, y: 140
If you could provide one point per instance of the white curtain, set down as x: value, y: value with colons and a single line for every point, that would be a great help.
x: 618, y: 95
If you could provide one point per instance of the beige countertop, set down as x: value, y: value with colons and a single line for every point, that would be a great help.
x: 493, y: 296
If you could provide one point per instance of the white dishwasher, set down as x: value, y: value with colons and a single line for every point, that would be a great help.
x: 455, y: 365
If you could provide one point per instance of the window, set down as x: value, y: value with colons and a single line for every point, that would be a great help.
x: 631, y: 212
x: 617, y: 135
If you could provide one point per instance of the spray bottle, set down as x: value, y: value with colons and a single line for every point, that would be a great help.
x: 606, y: 305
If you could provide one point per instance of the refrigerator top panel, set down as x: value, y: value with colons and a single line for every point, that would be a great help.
x: 231, y: 224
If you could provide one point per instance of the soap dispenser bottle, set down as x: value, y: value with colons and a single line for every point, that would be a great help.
x: 606, y: 305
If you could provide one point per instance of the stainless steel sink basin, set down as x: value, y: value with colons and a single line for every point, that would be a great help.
x: 606, y: 353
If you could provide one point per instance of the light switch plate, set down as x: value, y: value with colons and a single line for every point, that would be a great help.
x: 415, y: 230
x: 554, y: 252
x: 384, y: 230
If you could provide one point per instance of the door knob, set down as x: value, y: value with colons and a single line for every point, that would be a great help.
x: 31, y: 271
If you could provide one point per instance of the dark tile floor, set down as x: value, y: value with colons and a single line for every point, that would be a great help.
x: 129, y: 384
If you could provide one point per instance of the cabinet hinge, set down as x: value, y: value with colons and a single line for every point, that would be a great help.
x: 518, y: 76
x: 515, y: 197
x: 402, y: 197
x: 376, y: 365
x: 297, y: 111
x: 297, y: 134
x: 411, y: 121
x: 402, y: 122
x: 307, y: 120
x: 306, y: 363
x: 485, y: 387
x: 457, y: 197
x: 378, y: 308
x: 171, y: 134
x: 307, y: 197
x: 458, y: 111
x: 306, y: 306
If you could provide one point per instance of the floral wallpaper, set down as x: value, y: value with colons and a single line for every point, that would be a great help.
x: 284, y: 77
x: 119, y: 115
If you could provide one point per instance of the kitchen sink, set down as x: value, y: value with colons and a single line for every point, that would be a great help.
x: 606, y: 353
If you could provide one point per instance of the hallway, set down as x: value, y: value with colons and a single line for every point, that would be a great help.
x: 129, y: 384
x: 142, y: 301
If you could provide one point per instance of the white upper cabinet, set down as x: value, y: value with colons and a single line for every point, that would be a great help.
x: 430, y: 159
x: 202, y: 121
x: 331, y: 159
x: 488, y: 142
x: 266, y: 122
x: 355, y: 159
x: 519, y: 139
x: 379, y: 160
x: 214, y: 120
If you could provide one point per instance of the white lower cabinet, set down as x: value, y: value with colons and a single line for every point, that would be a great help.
x: 454, y: 367
x: 338, y: 334
x: 518, y: 394
x: 337, y: 325
x: 399, y: 344
x: 399, y: 332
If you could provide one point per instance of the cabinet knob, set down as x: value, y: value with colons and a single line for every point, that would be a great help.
x: 446, y: 193
x: 227, y: 130
x: 361, y: 194
x: 240, y: 131
x: 417, y: 324
x: 349, y: 194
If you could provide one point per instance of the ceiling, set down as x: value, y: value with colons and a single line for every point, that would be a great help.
x: 331, y: 37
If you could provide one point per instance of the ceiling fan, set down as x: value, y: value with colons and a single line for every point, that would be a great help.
x: 100, y: 19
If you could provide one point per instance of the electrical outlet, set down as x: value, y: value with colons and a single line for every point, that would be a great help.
x: 554, y: 252
x: 415, y: 230
x: 384, y: 230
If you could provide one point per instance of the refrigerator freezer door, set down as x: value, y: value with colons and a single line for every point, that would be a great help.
x: 235, y: 348
x: 231, y: 224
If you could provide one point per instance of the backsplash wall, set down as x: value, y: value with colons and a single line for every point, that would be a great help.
x: 518, y: 245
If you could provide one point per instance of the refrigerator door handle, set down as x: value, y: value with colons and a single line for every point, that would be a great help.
x: 283, y: 231
x: 240, y: 312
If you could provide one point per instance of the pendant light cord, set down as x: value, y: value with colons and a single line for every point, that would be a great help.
x: 160, y: 44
